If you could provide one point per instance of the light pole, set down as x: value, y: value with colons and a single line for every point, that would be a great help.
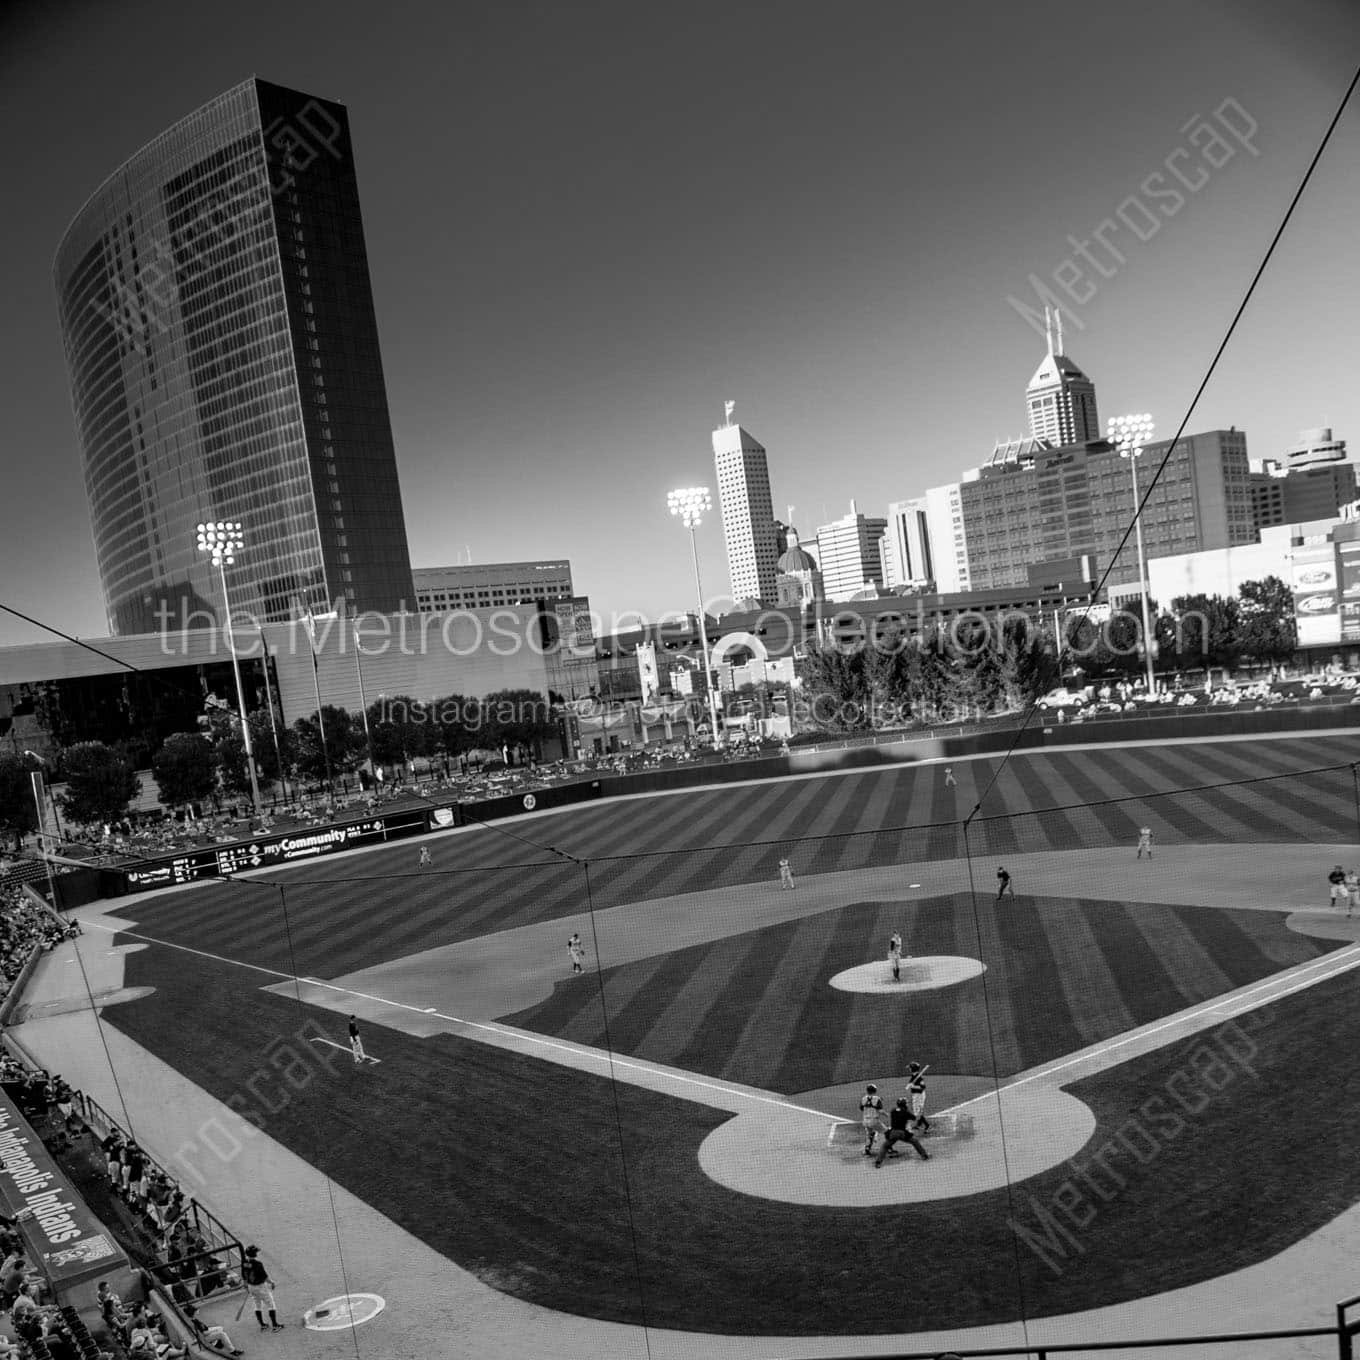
x: 692, y: 503
x: 222, y: 540
x: 1130, y: 434
x: 363, y: 705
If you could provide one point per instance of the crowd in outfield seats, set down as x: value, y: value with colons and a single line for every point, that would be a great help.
x: 23, y: 926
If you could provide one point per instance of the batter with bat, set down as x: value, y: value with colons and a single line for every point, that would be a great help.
x: 916, y: 1089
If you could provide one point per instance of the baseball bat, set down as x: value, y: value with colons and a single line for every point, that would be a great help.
x: 242, y: 1308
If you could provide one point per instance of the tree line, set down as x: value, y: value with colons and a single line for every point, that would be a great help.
x: 210, y: 764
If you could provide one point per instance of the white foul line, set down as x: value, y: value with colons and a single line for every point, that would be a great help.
x: 343, y: 1048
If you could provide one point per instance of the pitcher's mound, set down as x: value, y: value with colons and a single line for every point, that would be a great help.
x: 918, y: 974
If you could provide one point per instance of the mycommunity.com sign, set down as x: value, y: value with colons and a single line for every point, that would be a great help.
x: 272, y: 851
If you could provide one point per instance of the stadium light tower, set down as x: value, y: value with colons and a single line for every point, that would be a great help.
x: 1130, y: 435
x: 222, y: 540
x: 692, y: 503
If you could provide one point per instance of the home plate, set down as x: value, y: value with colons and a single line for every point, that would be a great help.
x: 345, y: 1310
x: 918, y: 974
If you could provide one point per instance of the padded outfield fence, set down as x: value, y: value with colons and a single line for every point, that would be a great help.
x: 1108, y: 1025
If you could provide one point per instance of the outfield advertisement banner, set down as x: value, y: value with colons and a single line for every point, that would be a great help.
x: 59, y: 1230
x: 1317, y: 594
x: 270, y: 851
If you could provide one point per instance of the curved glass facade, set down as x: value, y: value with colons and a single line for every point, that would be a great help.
x: 223, y: 353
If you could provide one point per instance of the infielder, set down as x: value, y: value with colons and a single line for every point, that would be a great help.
x: 577, y: 951
x: 1144, y: 841
x: 1337, y: 878
x: 785, y: 874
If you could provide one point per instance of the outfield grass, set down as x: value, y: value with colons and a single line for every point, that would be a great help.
x: 485, y: 880
x: 512, y: 1167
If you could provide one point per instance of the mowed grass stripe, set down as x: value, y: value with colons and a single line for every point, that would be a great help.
x: 910, y: 845
x: 795, y: 998
x: 1252, y: 944
x: 1172, y: 817
x: 1114, y: 819
x: 993, y: 1034
x: 621, y: 880
x: 758, y: 863
x: 943, y: 835
x: 1083, y: 972
x: 722, y: 966
x: 871, y: 1015
x: 880, y: 808
x: 1043, y: 1013
x: 1049, y: 829
x: 1232, y: 819
x: 1313, y: 799
x: 1147, y: 987
x: 1193, y: 971
x: 1086, y: 829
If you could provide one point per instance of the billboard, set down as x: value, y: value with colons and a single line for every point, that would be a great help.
x: 1348, y: 575
x: 271, y: 851
x: 1315, y: 577
x: 58, y: 1229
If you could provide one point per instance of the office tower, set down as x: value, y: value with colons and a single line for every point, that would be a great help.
x: 488, y: 584
x: 224, y: 363
x: 1043, y: 504
x: 747, y: 513
x: 948, y: 538
x: 905, y: 547
x: 847, y: 553
x: 1318, y: 480
x: 1061, y: 399
x: 1316, y: 448
x: 1265, y: 481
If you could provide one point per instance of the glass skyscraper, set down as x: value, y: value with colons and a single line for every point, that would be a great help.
x: 223, y: 353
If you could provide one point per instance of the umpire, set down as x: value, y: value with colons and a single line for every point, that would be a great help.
x: 898, y: 1132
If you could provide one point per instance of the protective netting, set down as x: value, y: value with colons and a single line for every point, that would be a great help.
x: 612, y: 1058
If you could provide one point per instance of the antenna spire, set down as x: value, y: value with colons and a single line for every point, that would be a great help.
x: 1057, y: 316
x: 1048, y: 328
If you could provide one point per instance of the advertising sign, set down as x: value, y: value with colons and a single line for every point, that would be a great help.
x: 1348, y: 559
x: 58, y: 1228
x: 271, y: 851
x: 1316, y: 579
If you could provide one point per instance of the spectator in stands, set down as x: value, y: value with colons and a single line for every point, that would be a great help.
x: 213, y: 1337
x: 23, y: 1306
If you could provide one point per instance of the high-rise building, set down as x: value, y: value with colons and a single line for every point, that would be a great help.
x: 948, y: 538
x: 1265, y: 482
x: 1316, y: 448
x: 747, y: 512
x: 223, y: 354
x: 1060, y: 397
x: 1045, y: 504
x: 905, y: 546
x: 847, y: 553
x: 489, y: 584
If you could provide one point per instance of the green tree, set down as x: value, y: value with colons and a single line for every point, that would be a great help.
x: 516, y: 718
x: 18, y: 813
x: 836, y: 687
x: 455, y: 723
x: 1269, y: 625
x: 185, y: 769
x: 1210, y: 630
x: 100, y: 783
x: 345, y: 744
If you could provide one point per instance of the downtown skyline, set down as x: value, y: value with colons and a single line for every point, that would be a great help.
x: 548, y: 387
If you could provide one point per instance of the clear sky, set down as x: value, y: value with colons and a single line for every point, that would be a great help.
x: 589, y: 225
